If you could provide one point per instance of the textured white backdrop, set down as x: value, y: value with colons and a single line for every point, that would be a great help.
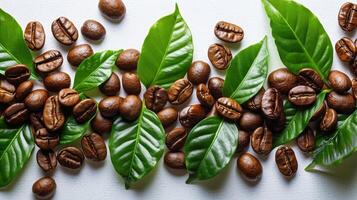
x: 101, y: 181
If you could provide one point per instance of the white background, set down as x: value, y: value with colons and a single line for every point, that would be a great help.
x: 100, y: 181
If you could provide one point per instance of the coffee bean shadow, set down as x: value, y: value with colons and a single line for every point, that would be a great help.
x: 176, y: 172
x: 351, y: 34
x: 71, y: 172
x: 95, y: 165
x: 249, y: 183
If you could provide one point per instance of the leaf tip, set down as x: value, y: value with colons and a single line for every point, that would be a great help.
x: 310, y: 167
x: 190, y: 179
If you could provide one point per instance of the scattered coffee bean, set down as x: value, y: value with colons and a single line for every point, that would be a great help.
x: 109, y: 106
x: 111, y: 87
x: 354, y: 87
x: 191, y: 115
x: 250, y: 167
x: 347, y: 17
x: 64, y: 31
x: 112, y: 9
x: 180, y: 91
x: 16, y: 114
x: 339, y: 81
x: 243, y: 141
x: 44, y: 188
x: 17, y: 74
x: 46, y: 159
x: 131, y: 83
x: 320, y: 112
x: 7, y: 91
x: 70, y: 157
x: 272, y: 104
x: 93, y: 30
x: 84, y: 110
x: 255, y: 103
x: 329, y: 121
x: 168, y: 116
x: 342, y: 103
x: 282, y: 80
x: 93, y: 147
x: 155, y: 98
x: 198, y: 72
x: 53, y: 117
x: 276, y: 125
x: 48, y: 62
x: 78, y: 53
x: 306, y: 140
x: 36, y: 100
x: 128, y: 59
x: 215, y: 85
x: 345, y: 49
x: 250, y: 121
x: 311, y: 78
x: 302, y: 96
x: 286, y: 161
x: 22, y: 90
x: 34, y: 35
x: 220, y: 56
x: 68, y: 97
x: 228, y: 32
x: 57, y: 81
x: 45, y: 140
x: 175, y: 160
x: 175, y: 139
x: 130, y: 107
x: 100, y: 124
x: 262, y: 141
x: 204, y: 96
x: 36, y: 120
x: 228, y: 108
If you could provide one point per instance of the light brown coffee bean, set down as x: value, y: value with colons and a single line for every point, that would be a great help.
x: 168, y: 116
x: 262, y: 140
x: 204, y: 96
x: 250, y: 167
x: 286, y: 161
x: 228, y: 32
x: 220, y: 56
x: 78, y: 53
x: 23, y: 90
x: 180, y: 91
x: 93, y: 147
x: 64, y: 31
x: 175, y: 160
x: 131, y: 83
x: 34, y: 35
x: 228, y: 108
x: 70, y: 157
x: 175, y: 139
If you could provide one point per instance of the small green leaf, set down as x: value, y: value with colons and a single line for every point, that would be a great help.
x: 72, y: 131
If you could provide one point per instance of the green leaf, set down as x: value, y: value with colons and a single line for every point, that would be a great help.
x: 299, y: 36
x: 209, y: 147
x: 247, y: 72
x: 16, y: 146
x: 13, y: 49
x: 72, y: 131
x: 297, y: 123
x: 94, y: 70
x: 136, y: 147
x: 167, y: 51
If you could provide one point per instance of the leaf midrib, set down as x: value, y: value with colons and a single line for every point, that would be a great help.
x: 12, y: 140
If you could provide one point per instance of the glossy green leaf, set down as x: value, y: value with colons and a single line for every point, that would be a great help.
x: 247, y: 72
x: 16, y: 146
x: 167, y: 51
x: 73, y: 131
x: 136, y: 147
x: 94, y: 70
x: 299, y: 36
x: 209, y: 147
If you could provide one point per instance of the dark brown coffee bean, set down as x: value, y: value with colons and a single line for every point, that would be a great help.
x: 93, y: 147
x: 16, y: 114
x: 128, y: 59
x: 347, y: 17
x: 228, y: 108
x: 175, y: 160
x: 109, y: 106
x: 70, y: 157
x: 155, y: 98
x: 84, y: 110
x: 255, y: 103
x: 57, y: 81
x: 45, y: 140
x: 345, y: 49
x: 64, y: 31
x: 250, y: 167
x: 191, y: 115
x: 306, y: 140
x: 130, y: 107
x: 44, y: 188
x: 228, y: 32
x: 36, y: 100
x: 131, y: 83
x: 198, y: 72
x: 48, y: 62
x: 215, y: 85
x: 175, y: 139
x: 111, y: 87
x: 272, y: 104
x: 78, y: 53
x: 93, y: 30
x: 276, y: 125
x: 320, y: 112
x: 302, y: 95
x: 354, y: 87
x: 112, y: 9
x: 329, y: 121
x: 100, y: 124
x: 282, y: 80
x: 339, y: 81
x: 204, y: 96
x: 167, y: 116
x: 68, y: 97
x: 53, y: 116
x: 36, y: 120
x: 46, y: 159
x: 286, y: 161
x: 23, y: 90
x: 220, y: 56
x: 7, y: 91
x: 180, y: 91
x: 342, y: 103
x: 250, y: 121
x: 262, y: 141
x: 17, y: 74
x: 243, y: 141
x: 34, y: 35
x: 311, y: 78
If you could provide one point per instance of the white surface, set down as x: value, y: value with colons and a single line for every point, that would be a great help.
x: 101, y: 181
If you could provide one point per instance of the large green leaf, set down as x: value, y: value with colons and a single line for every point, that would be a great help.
x: 247, y: 72
x: 16, y: 146
x: 72, y: 131
x: 136, y: 147
x: 299, y: 36
x: 13, y: 49
x: 209, y: 147
x: 167, y: 51
x: 94, y: 70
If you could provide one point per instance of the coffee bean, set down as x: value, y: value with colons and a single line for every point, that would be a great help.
x: 84, y: 110
x: 46, y: 159
x: 64, y: 31
x: 354, y: 87
x: 191, y: 115
x: 111, y: 87
x: 175, y: 160
x: 220, y: 56
x: 112, y: 9
x: 250, y: 167
x: 68, y: 97
x: 7, y: 91
x: 78, y: 53
x: 243, y: 141
x: 175, y: 139
x: 276, y: 125
x: 93, y: 30
x: 249, y: 121
x: 198, y: 72
x: 228, y: 32
x: 329, y: 121
x: 262, y: 141
x: 347, y: 16
x: 22, y: 90
x: 311, y: 78
x: 36, y: 120
x: 57, y: 81
x: 272, y: 104
x: 44, y: 188
x: 131, y: 83
x: 70, y: 157
x: 155, y: 98
x: 34, y: 35
x: 320, y: 112
x: 109, y: 106
x: 255, y: 103
x: 306, y: 140
x: 339, y: 81
x: 36, y: 100
x: 286, y: 161
x: 345, y: 49
x: 48, y: 62
x: 93, y: 147
x: 53, y: 116
x: 282, y: 80
x: 45, y: 140
x: 100, y: 124
x: 215, y: 85
x: 204, y: 96
x: 128, y: 59
x: 16, y: 114
x: 167, y: 116
x: 342, y: 103
x: 302, y: 96
x: 17, y: 74
x: 130, y: 107
x: 228, y: 108
x: 180, y: 91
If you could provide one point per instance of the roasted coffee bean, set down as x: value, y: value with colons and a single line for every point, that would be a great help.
x: 347, y: 17
x: 339, y: 81
x: 175, y: 139
x: 286, y: 161
x: 204, y: 96
x: 155, y: 98
x: 320, y: 112
x: 17, y: 74
x: 229, y: 108
x: 111, y: 87
x: 70, y: 157
x: 36, y: 100
x: 46, y: 159
x: 302, y: 96
x: 168, y: 116
x: 272, y: 104
x: 311, y: 78
x: 53, y: 117
x: 306, y: 140
x: 100, y: 124
x: 128, y: 59
x: 262, y: 141
x: 131, y: 83
x: 36, y: 120
x: 220, y: 56
x: 84, y: 110
x: 342, y: 103
x: 250, y: 167
x: 198, y: 72
x: 175, y: 160
x: 228, y: 32
x: 191, y: 115
x: 45, y: 140
x: 130, y: 107
x: 109, y: 106
x: 78, y: 53
x: 93, y: 147
x: 329, y: 121
x: 22, y: 90
x: 7, y: 91
x: 48, y: 62
x: 243, y: 140
x: 64, y: 31
x: 276, y: 125
x: 56, y: 81
x: 215, y: 85
x: 68, y: 97
x: 44, y: 188
x: 255, y: 103
x: 16, y: 114
x: 180, y: 91
x: 354, y: 87
x: 112, y: 9
x: 345, y: 49
x: 93, y: 30
x: 282, y: 80
x: 250, y: 121
x: 34, y: 35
